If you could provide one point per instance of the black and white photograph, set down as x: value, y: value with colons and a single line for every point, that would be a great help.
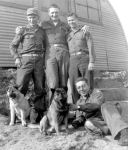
x: 63, y: 75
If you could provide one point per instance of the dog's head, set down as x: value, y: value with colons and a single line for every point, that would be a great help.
x: 13, y: 93
x: 60, y: 95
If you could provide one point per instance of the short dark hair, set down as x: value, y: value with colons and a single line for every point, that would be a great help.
x: 53, y: 6
x: 72, y: 15
x: 81, y: 79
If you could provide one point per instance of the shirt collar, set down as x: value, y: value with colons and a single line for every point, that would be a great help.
x: 36, y: 29
x: 51, y: 22
x: 77, y: 29
x: 85, y: 97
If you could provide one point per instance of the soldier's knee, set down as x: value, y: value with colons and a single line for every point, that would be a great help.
x: 88, y: 124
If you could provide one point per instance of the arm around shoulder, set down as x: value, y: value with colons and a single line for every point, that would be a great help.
x: 90, y: 44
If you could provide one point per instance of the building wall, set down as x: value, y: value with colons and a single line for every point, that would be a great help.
x: 109, y: 39
x: 114, y: 37
x: 8, y: 22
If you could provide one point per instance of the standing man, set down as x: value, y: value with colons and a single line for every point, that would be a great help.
x: 30, y: 60
x: 82, y: 55
x: 57, y: 54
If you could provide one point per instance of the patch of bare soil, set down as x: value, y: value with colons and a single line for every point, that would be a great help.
x: 23, y: 138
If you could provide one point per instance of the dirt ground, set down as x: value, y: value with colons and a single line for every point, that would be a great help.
x: 23, y: 138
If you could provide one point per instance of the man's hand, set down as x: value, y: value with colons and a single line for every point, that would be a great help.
x: 91, y: 66
x: 19, y: 30
x: 18, y: 62
x: 85, y: 29
x: 73, y: 107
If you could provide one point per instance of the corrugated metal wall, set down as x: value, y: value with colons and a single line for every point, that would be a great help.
x: 9, y: 19
x: 36, y: 3
x: 116, y: 45
x: 100, y: 47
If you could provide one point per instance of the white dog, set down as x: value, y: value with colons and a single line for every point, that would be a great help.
x: 19, y: 106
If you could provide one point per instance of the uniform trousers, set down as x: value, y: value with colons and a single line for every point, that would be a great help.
x: 32, y: 67
x: 79, y: 68
x: 57, y: 66
x: 114, y: 116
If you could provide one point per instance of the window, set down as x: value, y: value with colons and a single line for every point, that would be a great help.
x: 86, y: 9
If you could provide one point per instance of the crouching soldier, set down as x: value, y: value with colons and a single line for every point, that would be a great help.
x: 98, y: 116
x: 89, y: 104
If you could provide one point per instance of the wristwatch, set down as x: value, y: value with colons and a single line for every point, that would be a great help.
x: 78, y: 107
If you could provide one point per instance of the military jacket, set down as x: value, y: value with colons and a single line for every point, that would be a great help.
x: 32, y: 41
x: 56, y: 34
x: 77, y: 41
x: 89, y: 102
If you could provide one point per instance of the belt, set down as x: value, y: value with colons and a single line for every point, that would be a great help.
x: 32, y: 54
x: 58, y: 45
x: 79, y: 53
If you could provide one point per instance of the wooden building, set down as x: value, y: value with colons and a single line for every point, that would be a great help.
x: 109, y: 39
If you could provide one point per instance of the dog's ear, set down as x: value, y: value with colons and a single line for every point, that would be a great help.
x: 65, y: 89
x: 13, y: 95
x: 60, y: 90
x: 57, y: 90
x: 12, y: 86
x: 16, y: 87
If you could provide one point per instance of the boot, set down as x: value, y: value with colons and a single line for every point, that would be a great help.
x: 123, y: 141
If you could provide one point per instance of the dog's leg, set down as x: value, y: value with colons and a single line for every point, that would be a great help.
x: 23, y: 118
x: 44, y: 125
x: 51, y: 129
x: 57, y: 129
x: 12, y: 115
x: 66, y: 123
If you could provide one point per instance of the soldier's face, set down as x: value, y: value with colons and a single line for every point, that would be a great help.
x: 82, y: 88
x: 72, y: 21
x: 54, y: 14
x: 32, y: 20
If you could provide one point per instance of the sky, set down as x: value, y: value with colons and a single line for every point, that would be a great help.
x: 121, y: 9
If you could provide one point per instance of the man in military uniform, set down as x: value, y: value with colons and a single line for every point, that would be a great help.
x: 98, y: 116
x: 88, y: 105
x: 30, y: 60
x: 57, y: 55
x: 82, y: 55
